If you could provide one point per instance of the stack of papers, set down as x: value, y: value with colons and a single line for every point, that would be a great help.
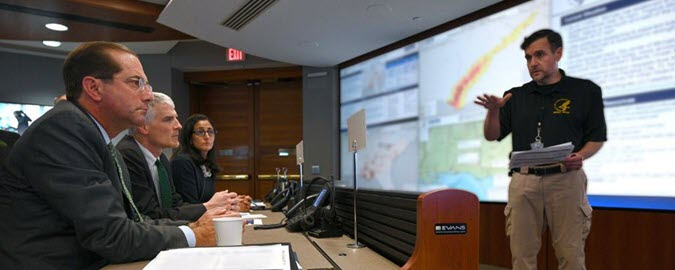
x: 546, y: 155
x: 268, y: 257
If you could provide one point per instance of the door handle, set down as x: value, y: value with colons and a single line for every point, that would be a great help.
x: 274, y: 177
x: 231, y: 177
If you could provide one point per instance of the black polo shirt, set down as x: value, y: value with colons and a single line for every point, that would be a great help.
x: 570, y: 110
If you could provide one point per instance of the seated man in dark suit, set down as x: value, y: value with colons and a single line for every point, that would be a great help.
x: 152, y: 186
x: 64, y: 188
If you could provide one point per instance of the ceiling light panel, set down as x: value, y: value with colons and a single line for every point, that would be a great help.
x: 56, y: 27
x: 51, y: 43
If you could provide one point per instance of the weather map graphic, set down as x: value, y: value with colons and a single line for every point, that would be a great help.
x: 458, y: 96
x: 452, y: 150
x: 424, y: 132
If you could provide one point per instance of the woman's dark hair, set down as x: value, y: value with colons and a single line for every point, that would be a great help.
x: 186, y: 146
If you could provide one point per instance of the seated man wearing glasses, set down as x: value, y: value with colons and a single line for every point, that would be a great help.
x: 64, y: 189
x: 152, y: 186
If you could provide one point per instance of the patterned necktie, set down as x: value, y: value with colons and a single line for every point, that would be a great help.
x: 115, y: 156
x: 164, y: 186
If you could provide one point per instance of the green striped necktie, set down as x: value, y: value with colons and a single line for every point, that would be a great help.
x: 164, y: 186
x: 126, y: 192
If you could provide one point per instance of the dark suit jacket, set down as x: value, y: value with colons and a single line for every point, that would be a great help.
x: 144, y: 191
x: 7, y: 140
x: 62, y: 204
x: 190, y: 180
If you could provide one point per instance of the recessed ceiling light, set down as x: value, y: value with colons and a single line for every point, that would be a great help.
x: 56, y: 27
x: 51, y: 43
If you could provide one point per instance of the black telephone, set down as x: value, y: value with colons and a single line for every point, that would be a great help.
x: 297, y: 205
x: 305, y: 218
x: 270, y: 195
x: 278, y: 188
x: 282, y: 192
x: 281, y: 199
x: 318, y: 219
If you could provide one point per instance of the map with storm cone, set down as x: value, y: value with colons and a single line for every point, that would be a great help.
x: 425, y: 132
x: 453, y: 152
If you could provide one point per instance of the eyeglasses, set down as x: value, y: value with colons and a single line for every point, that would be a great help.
x: 141, y: 84
x: 202, y: 133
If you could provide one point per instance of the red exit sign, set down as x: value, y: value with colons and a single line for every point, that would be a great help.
x: 235, y: 55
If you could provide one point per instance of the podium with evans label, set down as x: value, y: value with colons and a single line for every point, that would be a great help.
x: 447, y: 231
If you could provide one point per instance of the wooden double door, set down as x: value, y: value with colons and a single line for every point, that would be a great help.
x: 259, y: 123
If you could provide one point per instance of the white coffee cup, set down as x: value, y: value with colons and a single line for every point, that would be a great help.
x: 228, y: 231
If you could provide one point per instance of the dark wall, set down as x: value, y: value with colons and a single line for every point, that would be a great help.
x: 180, y: 94
x: 320, y: 121
x: 158, y: 69
x: 37, y: 79
x: 30, y: 79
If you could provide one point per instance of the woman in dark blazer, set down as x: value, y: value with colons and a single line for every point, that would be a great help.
x: 194, y: 166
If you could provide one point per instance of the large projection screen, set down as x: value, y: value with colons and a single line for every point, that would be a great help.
x: 424, y: 132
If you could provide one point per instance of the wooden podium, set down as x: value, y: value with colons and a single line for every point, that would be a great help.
x: 447, y: 231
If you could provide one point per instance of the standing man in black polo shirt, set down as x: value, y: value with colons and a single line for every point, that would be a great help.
x: 551, y: 109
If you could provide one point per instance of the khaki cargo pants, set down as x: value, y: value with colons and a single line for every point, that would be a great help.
x: 558, y: 200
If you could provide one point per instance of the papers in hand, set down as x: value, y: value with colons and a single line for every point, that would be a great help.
x: 266, y: 257
x: 546, y: 155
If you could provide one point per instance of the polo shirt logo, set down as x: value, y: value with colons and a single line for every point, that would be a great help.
x: 561, y: 106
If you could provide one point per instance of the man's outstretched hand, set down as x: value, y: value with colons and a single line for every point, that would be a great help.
x: 492, y: 102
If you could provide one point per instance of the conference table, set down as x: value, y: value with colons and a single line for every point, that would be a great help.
x: 313, y: 253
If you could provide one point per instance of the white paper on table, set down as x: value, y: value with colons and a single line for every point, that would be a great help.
x: 245, y: 215
x: 546, y: 155
x: 267, y: 257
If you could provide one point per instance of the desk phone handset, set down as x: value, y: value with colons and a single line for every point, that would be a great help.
x: 304, y: 219
x: 281, y: 199
x: 281, y: 193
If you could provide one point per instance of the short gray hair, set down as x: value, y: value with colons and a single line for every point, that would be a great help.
x: 159, y: 98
